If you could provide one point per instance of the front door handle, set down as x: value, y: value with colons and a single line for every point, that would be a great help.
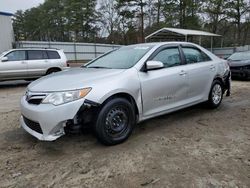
x: 24, y: 62
x: 212, y: 67
x: 182, y: 73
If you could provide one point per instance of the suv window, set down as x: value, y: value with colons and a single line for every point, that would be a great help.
x: 53, y: 55
x: 18, y: 55
x: 37, y: 54
x: 170, y: 57
x: 194, y: 55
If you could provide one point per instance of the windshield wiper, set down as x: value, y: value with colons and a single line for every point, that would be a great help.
x: 99, y: 67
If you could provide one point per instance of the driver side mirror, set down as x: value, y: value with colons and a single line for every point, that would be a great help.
x: 153, y: 65
x: 4, y: 59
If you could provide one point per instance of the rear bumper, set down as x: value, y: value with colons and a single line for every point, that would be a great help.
x: 227, y: 83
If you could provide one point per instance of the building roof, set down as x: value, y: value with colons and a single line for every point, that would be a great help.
x: 6, y: 14
x: 171, y: 33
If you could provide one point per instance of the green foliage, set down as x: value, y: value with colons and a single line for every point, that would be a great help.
x: 128, y: 21
x: 58, y: 20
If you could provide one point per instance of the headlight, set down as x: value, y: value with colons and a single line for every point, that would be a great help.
x: 59, y: 98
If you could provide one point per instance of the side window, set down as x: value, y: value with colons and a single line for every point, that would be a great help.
x: 37, y: 54
x: 53, y: 55
x: 170, y: 57
x: 194, y: 55
x: 16, y: 55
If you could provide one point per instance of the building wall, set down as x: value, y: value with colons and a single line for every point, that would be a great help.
x: 6, y: 33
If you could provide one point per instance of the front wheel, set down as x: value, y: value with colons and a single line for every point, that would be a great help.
x: 115, y: 121
x: 215, y: 95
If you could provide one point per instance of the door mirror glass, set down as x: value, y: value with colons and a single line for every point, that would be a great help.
x: 4, y: 59
x: 153, y: 65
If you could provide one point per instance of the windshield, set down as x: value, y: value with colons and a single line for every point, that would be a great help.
x: 123, y: 58
x: 240, y: 56
x: 2, y: 54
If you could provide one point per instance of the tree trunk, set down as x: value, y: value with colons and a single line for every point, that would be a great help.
x: 142, y: 21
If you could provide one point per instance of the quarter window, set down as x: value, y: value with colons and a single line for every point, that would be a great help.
x: 194, y: 55
x: 170, y: 57
x: 16, y: 55
x: 37, y: 54
x: 53, y: 55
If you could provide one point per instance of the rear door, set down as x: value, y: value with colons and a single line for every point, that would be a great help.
x: 201, y: 71
x: 15, y: 67
x: 38, y: 62
x: 165, y: 88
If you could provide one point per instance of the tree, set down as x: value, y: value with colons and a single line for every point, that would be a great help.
x: 215, y: 10
x: 133, y: 9
x: 236, y: 10
x: 109, y: 18
x: 18, y: 25
x: 81, y: 17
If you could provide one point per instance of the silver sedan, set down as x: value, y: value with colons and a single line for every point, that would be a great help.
x: 121, y: 88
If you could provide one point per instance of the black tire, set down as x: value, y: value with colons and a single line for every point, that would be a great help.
x: 216, y: 89
x: 115, y: 122
x: 53, y: 70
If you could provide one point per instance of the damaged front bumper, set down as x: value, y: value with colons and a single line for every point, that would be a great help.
x: 45, y: 121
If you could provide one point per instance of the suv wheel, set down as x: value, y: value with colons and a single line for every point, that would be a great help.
x: 51, y: 71
x: 115, y: 121
x: 216, y: 94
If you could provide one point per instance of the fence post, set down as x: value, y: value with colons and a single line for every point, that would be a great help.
x: 75, y: 52
x: 95, y: 50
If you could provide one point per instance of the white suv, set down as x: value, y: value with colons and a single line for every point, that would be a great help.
x: 31, y: 63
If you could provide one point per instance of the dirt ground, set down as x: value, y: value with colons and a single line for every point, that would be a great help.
x: 195, y: 147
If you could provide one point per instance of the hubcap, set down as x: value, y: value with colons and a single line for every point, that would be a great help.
x: 116, y: 121
x: 216, y: 94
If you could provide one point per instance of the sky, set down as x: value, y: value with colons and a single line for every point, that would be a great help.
x: 12, y: 6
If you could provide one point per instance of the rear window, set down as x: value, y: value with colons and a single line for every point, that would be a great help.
x: 37, y: 54
x: 194, y: 55
x: 53, y: 55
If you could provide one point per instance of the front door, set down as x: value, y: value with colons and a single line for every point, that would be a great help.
x: 15, y: 67
x: 165, y: 88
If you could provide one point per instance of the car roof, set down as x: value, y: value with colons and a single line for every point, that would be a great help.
x: 52, y: 49
x: 163, y: 43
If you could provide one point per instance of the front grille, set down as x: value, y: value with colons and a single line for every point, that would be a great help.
x: 34, y: 98
x: 35, y: 101
x: 33, y: 125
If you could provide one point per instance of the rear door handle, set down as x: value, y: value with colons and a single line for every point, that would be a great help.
x: 182, y: 73
x: 24, y: 62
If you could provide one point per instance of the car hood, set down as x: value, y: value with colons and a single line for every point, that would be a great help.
x: 74, y: 78
x: 239, y: 63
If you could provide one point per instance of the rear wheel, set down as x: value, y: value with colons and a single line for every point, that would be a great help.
x: 215, y: 95
x: 115, y: 122
x: 53, y: 70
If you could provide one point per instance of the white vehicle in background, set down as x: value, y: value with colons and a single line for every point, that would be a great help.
x: 28, y: 64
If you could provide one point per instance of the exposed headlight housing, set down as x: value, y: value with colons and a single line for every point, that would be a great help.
x: 58, y: 98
